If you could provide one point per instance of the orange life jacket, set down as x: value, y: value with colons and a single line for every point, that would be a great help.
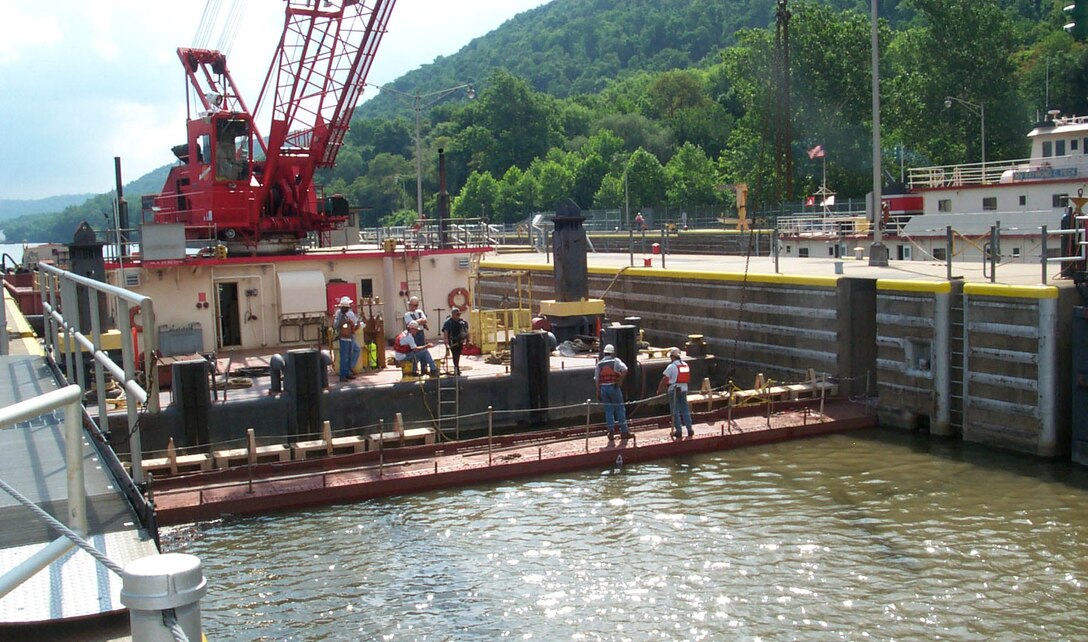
x: 683, y: 372
x: 607, y: 372
x: 399, y: 345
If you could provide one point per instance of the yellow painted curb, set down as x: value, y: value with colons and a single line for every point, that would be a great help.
x: 1011, y: 291
x: 933, y: 287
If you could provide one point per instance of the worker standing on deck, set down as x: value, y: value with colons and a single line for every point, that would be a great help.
x: 346, y: 323
x: 609, y: 376
x: 405, y: 347
x: 677, y: 375
x: 455, y: 334
x: 415, y: 313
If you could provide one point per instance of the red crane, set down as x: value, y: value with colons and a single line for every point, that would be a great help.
x: 255, y: 192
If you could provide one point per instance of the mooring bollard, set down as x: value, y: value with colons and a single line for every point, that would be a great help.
x: 157, y: 583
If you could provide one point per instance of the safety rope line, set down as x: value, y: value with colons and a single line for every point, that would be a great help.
x: 170, y: 620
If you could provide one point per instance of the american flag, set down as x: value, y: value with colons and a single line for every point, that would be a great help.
x: 816, y: 152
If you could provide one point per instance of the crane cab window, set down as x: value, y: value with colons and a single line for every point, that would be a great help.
x: 231, y: 150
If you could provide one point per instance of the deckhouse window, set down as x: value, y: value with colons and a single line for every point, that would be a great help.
x: 944, y: 205
x: 1059, y: 148
x: 1085, y: 146
x: 1023, y: 200
x: 1073, y: 145
x: 1059, y: 200
x: 1048, y: 148
x: 989, y: 203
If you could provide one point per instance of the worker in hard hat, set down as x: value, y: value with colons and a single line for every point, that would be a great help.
x: 416, y: 313
x: 676, y: 378
x: 609, y: 376
x: 405, y: 347
x: 346, y: 323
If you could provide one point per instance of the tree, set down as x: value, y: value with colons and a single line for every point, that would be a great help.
x: 691, y: 177
x: 645, y: 179
x: 477, y: 198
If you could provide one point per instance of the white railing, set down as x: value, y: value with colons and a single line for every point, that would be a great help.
x: 991, y: 173
x: 64, y: 334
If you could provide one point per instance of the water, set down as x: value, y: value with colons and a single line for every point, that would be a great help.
x: 883, y: 537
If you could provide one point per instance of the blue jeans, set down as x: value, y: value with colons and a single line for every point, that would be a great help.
x: 349, y: 352
x: 614, y: 410
x: 424, y: 358
x: 681, y: 414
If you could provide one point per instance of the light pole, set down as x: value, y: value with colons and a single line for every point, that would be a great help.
x: 979, y: 109
x: 416, y: 101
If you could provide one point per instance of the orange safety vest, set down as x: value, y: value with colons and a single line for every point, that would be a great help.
x: 683, y: 372
x: 399, y: 344
x: 607, y: 372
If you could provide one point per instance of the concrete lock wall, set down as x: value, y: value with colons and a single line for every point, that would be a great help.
x: 989, y: 362
x: 914, y: 355
x: 1016, y: 367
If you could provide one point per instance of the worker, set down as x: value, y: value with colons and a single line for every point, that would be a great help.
x: 405, y: 347
x: 676, y: 377
x: 345, y: 322
x: 609, y: 376
x: 455, y: 335
x: 415, y: 313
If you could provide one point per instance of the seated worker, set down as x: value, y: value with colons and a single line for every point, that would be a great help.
x: 404, y: 348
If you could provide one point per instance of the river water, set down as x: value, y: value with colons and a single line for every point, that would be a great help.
x: 881, y: 535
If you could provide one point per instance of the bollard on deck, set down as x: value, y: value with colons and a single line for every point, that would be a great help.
x: 157, y: 583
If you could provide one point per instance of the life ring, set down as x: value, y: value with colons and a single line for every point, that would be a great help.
x: 458, y: 298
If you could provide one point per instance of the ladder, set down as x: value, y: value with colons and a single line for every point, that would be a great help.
x: 958, y: 365
x: 449, y: 404
x: 413, y: 274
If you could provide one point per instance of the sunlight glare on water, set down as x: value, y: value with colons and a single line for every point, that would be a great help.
x: 844, y: 537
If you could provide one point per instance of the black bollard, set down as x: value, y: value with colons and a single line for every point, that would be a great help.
x: 303, y: 385
x: 191, y: 394
x: 529, y: 363
x: 276, y: 366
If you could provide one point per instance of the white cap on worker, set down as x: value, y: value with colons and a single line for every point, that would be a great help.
x: 344, y: 301
x: 674, y: 352
x: 610, y: 349
x: 412, y: 325
x: 414, y: 299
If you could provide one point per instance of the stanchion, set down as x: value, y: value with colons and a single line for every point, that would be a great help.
x: 587, y: 425
x: 490, y: 425
x: 381, y: 447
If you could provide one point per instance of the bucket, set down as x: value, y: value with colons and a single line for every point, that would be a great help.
x: 838, y: 267
x: 647, y: 262
x: 655, y: 248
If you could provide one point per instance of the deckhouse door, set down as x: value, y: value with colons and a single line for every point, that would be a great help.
x: 228, y: 325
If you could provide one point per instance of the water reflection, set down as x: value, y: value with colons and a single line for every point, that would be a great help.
x: 844, y: 537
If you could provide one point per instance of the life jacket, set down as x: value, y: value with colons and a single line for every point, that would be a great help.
x: 607, y: 373
x: 399, y: 345
x: 346, y: 327
x: 683, y: 372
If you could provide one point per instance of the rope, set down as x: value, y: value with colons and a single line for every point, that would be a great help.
x: 170, y: 620
x: 64, y: 530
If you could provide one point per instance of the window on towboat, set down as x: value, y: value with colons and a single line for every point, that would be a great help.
x: 989, y: 204
x: 1059, y: 148
x: 1023, y: 199
x: 1048, y: 148
x: 1059, y: 200
x: 944, y: 205
x: 1073, y: 145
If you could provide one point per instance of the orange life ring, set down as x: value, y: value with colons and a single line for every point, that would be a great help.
x: 458, y: 298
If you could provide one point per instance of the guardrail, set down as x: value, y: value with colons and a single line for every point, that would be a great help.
x: 64, y: 291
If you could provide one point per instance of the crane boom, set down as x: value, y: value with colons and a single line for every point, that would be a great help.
x: 314, y: 82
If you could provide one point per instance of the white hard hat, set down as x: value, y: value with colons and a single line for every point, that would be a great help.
x: 414, y: 299
x: 674, y: 352
x: 412, y: 325
x: 610, y: 349
x: 344, y: 301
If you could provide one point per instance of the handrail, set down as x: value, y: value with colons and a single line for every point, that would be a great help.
x: 129, y: 305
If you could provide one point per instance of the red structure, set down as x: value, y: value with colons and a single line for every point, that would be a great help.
x: 245, y: 189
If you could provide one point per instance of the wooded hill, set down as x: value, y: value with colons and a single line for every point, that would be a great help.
x: 683, y: 97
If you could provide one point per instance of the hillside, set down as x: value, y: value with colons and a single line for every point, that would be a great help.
x: 12, y: 208
x: 664, y: 102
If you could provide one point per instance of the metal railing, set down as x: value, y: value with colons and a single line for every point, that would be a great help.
x: 64, y: 291
x: 69, y: 399
x: 991, y: 172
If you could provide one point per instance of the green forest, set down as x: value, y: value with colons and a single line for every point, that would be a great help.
x: 665, y: 103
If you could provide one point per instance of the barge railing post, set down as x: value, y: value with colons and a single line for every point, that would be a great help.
x: 490, y: 427
x: 823, y: 393
x: 774, y: 248
x: 381, y: 447
x: 631, y: 245
x: 586, y: 426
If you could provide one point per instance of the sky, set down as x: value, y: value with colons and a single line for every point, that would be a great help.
x: 84, y: 81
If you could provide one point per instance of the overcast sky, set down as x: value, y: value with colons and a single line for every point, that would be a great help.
x: 84, y: 81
